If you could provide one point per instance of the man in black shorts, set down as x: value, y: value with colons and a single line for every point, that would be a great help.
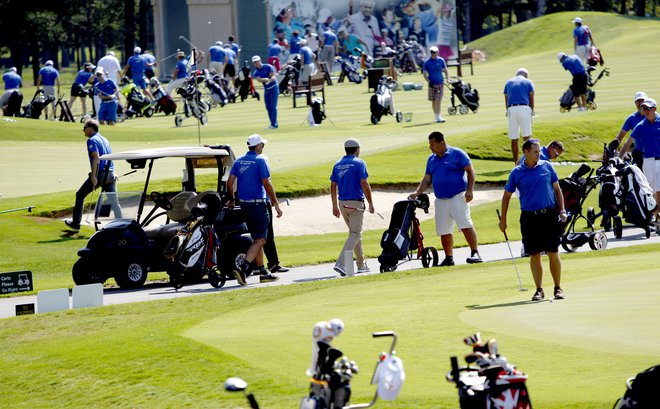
x: 542, y: 213
x: 574, y: 65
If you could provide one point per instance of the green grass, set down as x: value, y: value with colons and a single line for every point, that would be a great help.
x: 176, y: 353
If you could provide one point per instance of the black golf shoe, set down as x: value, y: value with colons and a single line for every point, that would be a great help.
x: 538, y: 295
x: 240, y: 272
x: 70, y: 224
x: 447, y: 262
x: 278, y: 269
x: 559, y: 293
x: 267, y: 278
x: 474, y: 258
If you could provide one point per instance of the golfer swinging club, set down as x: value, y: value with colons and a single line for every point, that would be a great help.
x: 540, y: 200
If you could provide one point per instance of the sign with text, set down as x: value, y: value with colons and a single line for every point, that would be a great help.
x: 16, y: 281
x: 24, y: 309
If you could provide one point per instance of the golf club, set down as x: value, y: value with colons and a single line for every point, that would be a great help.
x: 28, y: 208
x: 506, y: 238
x: 188, y: 41
x: 89, y: 208
x: 361, y: 210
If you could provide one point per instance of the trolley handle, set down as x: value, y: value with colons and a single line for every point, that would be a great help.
x: 387, y: 334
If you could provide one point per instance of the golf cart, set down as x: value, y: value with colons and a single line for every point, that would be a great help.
x: 134, y: 228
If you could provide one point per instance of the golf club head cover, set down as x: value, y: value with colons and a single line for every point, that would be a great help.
x: 324, y: 331
x: 473, y: 339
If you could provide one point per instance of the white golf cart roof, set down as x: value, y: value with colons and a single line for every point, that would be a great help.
x: 171, y: 152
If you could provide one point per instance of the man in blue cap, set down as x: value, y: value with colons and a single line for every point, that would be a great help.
x: 574, y: 65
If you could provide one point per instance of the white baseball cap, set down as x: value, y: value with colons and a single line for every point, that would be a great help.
x: 522, y: 71
x: 640, y: 95
x: 433, y: 49
x: 49, y: 62
x: 649, y: 102
x: 256, y: 58
x: 254, y: 140
x: 137, y: 50
x: 12, y: 69
x: 560, y: 56
x: 577, y: 20
x: 218, y: 43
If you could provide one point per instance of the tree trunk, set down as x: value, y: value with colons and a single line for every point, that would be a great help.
x: 540, y: 8
x: 623, y: 9
x: 467, y: 16
x: 640, y: 8
x: 143, y: 24
x: 129, y: 27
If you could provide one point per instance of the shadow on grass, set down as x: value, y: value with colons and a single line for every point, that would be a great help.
x: 503, y: 305
x: 67, y: 235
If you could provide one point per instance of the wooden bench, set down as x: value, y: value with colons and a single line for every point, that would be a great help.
x: 316, y: 84
x: 464, y: 58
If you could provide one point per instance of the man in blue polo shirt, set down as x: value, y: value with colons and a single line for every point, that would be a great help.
x: 180, y: 73
x: 574, y: 65
x: 646, y: 134
x: 49, y: 77
x: 307, y: 68
x: 582, y: 39
x: 230, y: 66
x: 349, y: 183
x: 274, y: 52
x: 78, y: 86
x: 265, y: 73
x: 542, y: 213
x: 329, y: 47
x: 138, y: 64
x: 629, y: 124
x: 519, y: 103
x: 100, y: 175
x: 12, y: 83
x: 433, y: 70
x: 217, y: 58
x: 250, y: 174
x: 106, y: 90
x: 450, y: 172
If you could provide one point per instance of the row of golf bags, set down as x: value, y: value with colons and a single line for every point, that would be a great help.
x: 33, y: 109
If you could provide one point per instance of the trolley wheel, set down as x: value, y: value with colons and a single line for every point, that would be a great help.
x: 386, y: 269
x: 598, y: 241
x: 149, y: 112
x: 216, y: 278
x: 203, y: 119
x: 591, y: 216
x: 567, y: 245
x: 176, y: 274
x: 617, y: 225
x: 463, y: 109
x: 374, y: 119
x: 451, y: 110
x: 647, y: 231
x: 591, y: 105
x: 562, y: 109
x: 178, y: 120
x: 429, y: 257
x: 399, y: 116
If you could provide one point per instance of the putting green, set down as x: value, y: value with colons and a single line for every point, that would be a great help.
x: 615, y: 313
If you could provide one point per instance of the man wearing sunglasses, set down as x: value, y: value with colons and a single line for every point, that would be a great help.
x: 647, y: 135
x: 433, y: 71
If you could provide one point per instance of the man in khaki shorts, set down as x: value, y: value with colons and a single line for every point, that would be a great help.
x: 450, y: 171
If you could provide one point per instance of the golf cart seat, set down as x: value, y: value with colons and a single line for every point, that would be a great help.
x: 182, y: 204
x: 163, y: 231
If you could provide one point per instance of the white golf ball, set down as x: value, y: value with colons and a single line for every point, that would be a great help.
x: 59, y: 181
x: 552, y: 299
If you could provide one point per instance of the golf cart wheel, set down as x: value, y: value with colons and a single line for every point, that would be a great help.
x: 178, y: 120
x: 203, y: 119
x: 399, y: 116
x: 451, y: 110
x: 647, y: 231
x: 617, y: 225
x: 598, y: 241
x: 429, y: 257
x: 374, y: 119
x: 83, y: 273
x: 216, y: 278
x: 232, y: 250
x: 463, y: 109
x: 131, y: 274
x: 591, y: 105
x: 567, y: 245
x: 149, y: 112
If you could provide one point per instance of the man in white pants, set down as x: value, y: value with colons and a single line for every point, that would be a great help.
x: 519, y: 102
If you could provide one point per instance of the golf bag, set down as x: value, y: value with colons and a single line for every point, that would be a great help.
x: 493, y: 384
x: 289, y: 75
x: 595, y: 57
x: 193, y: 249
x: 404, y: 235
x: 637, y: 200
x: 193, y: 105
x: 330, y: 386
x: 382, y: 102
x: 568, y: 99
x: 641, y: 391
x: 316, y: 112
x: 136, y: 103
x: 164, y: 101
x: 39, y: 101
x: 468, y: 97
x: 13, y: 107
x: 348, y: 69
x: 244, y: 84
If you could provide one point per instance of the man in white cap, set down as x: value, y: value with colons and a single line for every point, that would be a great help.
x: 265, y: 73
x: 217, y: 58
x: 180, y: 73
x: 307, y: 68
x: 48, y: 78
x: 433, y: 70
x: 630, y: 122
x: 12, y: 82
x: 574, y: 65
x: 138, y: 64
x: 519, y: 103
x: 647, y: 135
x: 582, y: 39
x: 349, y: 184
x: 249, y: 182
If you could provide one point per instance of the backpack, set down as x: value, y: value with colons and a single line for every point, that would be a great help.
x: 641, y: 392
